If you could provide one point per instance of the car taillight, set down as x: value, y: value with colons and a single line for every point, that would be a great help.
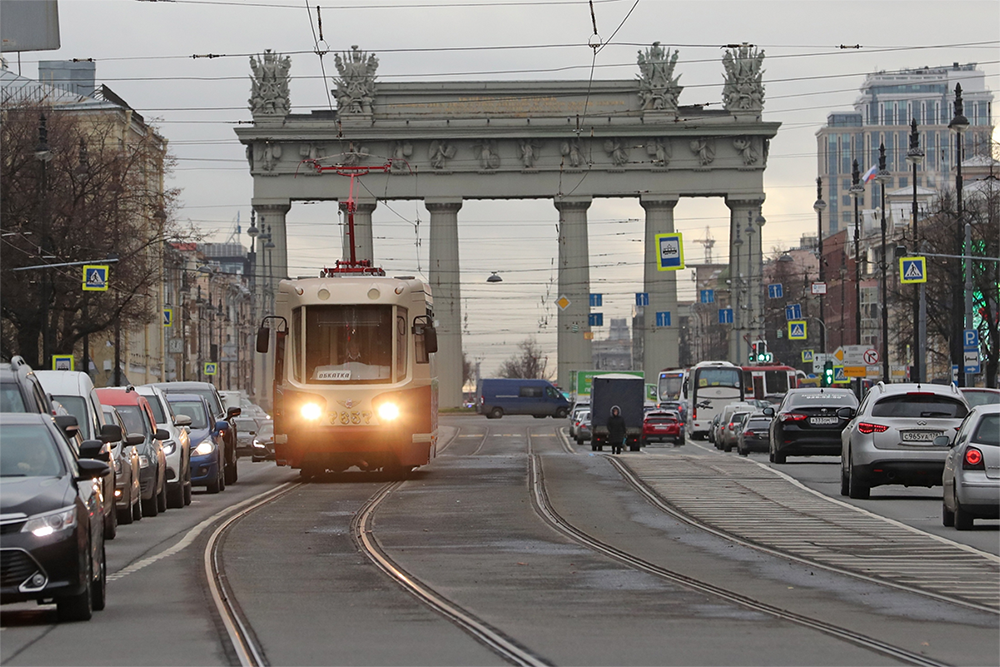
x: 747, y: 434
x: 867, y: 428
x: 694, y: 413
x: 792, y: 416
x: 973, y: 460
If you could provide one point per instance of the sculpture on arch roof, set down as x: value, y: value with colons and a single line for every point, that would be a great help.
x: 269, y: 84
x: 744, y: 87
x: 658, y: 87
x: 356, y: 85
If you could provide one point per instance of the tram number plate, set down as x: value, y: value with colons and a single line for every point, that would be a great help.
x: 824, y: 421
x: 348, y: 418
x: 920, y: 436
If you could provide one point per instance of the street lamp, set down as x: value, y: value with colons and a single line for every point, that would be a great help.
x: 915, y: 156
x: 736, y: 287
x: 819, y: 207
x: 857, y: 191
x: 43, y: 154
x: 960, y: 124
x: 751, y: 311
x: 883, y: 177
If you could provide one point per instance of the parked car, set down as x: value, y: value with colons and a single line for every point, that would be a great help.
x: 726, y: 416
x: 971, y: 478
x: 731, y: 432
x: 20, y: 390
x: 807, y: 422
x: 754, y: 435
x: 52, y: 518
x: 496, y: 397
x: 263, y: 443
x: 218, y: 413
x: 891, y: 438
x: 246, y: 431
x: 677, y: 406
x: 713, y: 426
x: 574, y: 418
x: 75, y: 392
x: 138, y: 416
x: 662, y: 426
x: 177, y: 448
x: 125, y: 460
x: 980, y: 396
x: 208, y: 463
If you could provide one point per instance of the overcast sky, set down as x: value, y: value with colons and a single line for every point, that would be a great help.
x: 143, y: 52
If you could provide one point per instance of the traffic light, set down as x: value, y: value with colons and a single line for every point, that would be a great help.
x: 828, y: 374
x: 759, y: 353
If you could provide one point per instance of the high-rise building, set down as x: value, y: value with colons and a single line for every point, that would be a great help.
x: 882, y: 114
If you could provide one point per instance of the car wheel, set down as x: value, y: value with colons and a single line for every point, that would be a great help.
x: 99, y: 593
x: 963, y: 520
x: 593, y: 447
x: 137, y: 509
x: 496, y: 413
x: 222, y: 475
x: 779, y: 457
x: 857, y: 488
x: 161, y: 497
x: 187, y: 490
x: 77, y: 607
x: 728, y: 447
x: 310, y: 471
x: 845, y: 482
x: 175, y: 495
x: 561, y: 413
x: 741, y: 450
x: 230, y: 472
x: 947, y: 516
x: 214, y: 485
x: 125, y: 516
x: 150, y: 507
x: 111, y: 523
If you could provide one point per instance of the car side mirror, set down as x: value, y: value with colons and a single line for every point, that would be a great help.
x: 942, y: 441
x: 845, y: 413
x: 134, y: 439
x: 768, y: 412
x: 162, y: 434
x: 221, y: 425
x: 93, y: 449
x: 233, y: 412
x: 182, y: 420
x: 67, y: 424
x: 111, y: 433
x: 91, y: 469
x: 263, y: 339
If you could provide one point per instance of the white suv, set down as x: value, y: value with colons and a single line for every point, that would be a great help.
x: 890, y: 439
x: 177, y: 448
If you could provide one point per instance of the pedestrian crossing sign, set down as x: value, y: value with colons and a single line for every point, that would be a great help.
x: 840, y: 375
x: 797, y: 330
x: 211, y: 368
x: 95, y: 277
x: 912, y: 270
x: 807, y: 356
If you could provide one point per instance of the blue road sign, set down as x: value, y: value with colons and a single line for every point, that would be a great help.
x: 797, y: 330
x: 670, y: 252
x: 725, y: 315
x: 708, y: 296
x: 840, y: 375
x: 168, y: 317
x: 970, y: 338
x: 642, y: 298
x: 211, y: 368
x: 775, y: 291
x: 95, y: 278
x: 793, y: 311
x: 912, y: 270
x: 596, y: 300
x: 663, y: 319
x: 596, y: 319
x: 807, y: 356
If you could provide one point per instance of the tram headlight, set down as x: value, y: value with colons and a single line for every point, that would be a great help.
x: 388, y: 412
x: 311, y: 411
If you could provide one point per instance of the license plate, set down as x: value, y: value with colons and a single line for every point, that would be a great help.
x: 824, y: 421
x: 920, y: 436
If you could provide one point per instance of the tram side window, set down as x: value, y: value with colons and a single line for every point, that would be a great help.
x: 401, y: 329
x: 349, y: 343
x: 295, y: 339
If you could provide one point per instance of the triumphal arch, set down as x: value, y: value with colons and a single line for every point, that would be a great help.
x: 567, y: 141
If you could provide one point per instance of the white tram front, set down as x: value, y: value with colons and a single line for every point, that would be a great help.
x: 353, y: 380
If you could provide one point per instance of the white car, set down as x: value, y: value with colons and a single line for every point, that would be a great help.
x: 971, y: 476
x: 177, y: 448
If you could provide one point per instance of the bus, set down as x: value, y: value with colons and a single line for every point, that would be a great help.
x: 768, y: 383
x: 669, y: 385
x: 706, y: 389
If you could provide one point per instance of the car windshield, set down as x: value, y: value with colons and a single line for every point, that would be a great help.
x: 660, y: 419
x: 988, y: 431
x: 758, y: 424
x: 29, y: 451
x: 11, y: 399
x: 76, y: 406
x: 246, y: 425
x: 266, y: 431
x: 920, y: 405
x: 157, y: 407
x: 133, y: 418
x: 193, y: 409
x: 974, y: 398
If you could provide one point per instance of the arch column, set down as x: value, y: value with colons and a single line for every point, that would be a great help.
x: 271, y: 266
x: 445, y: 287
x: 661, y: 345
x: 363, y: 246
x: 746, y: 281
x: 574, y: 350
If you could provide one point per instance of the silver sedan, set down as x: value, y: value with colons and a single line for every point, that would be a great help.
x: 971, y: 476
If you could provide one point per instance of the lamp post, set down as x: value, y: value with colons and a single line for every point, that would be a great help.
x: 44, y: 155
x: 915, y: 156
x: 819, y: 207
x: 748, y: 289
x: 253, y: 232
x: 958, y: 125
x: 857, y: 191
x: 884, y: 177
x: 736, y: 284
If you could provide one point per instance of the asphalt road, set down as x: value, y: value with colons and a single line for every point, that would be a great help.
x: 466, y: 527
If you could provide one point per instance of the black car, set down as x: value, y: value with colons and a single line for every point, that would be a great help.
x: 51, y: 518
x: 806, y: 422
x: 754, y: 435
x: 20, y: 390
x: 219, y: 413
x: 263, y: 443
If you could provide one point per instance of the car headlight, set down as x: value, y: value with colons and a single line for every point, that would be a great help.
x: 118, y: 466
x: 257, y: 443
x: 53, y: 522
x: 204, y: 447
x: 311, y: 411
x: 169, y: 446
x: 388, y: 412
x: 143, y: 461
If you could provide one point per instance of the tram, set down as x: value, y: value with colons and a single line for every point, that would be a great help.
x: 354, y: 382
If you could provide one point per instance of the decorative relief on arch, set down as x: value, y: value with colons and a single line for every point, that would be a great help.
x: 354, y: 155
x: 744, y: 87
x: 617, y: 150
x: 745, y: 146
x: 704, y: 148
x: 572, y: 151
x: 528, y: 149
x: 401, y: 151
x: 661, y: 152
x: 440, y: 152
x: 356, y: 85
x: 658, y: 87
x: 267, y: 155
x: 488, y: 154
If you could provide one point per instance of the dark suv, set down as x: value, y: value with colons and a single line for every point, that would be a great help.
x: 20, y: 390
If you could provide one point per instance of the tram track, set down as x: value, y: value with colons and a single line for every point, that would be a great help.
x: 545, y: 510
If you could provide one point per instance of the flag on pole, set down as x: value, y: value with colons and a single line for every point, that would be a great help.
x: 870, y: 174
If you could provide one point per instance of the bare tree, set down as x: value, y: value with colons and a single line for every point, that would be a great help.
x: 530, y: 362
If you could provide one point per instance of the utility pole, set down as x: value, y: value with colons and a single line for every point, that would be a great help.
x: 819, y: 207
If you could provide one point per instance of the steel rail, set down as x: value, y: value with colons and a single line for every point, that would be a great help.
x: 544, y: 509
x: 362, y: 528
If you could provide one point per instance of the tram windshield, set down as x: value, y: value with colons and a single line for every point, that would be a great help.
x: 350, y: 343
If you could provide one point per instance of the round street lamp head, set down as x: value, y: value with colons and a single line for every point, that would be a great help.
x: 959, y: 123
x: 819, y: 206
x: 494, y: 278
x: 252, y: 231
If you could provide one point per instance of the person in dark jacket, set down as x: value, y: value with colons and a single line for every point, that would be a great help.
x: 616, y: 430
